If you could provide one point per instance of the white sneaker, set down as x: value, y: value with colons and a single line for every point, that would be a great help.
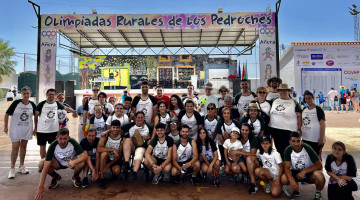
x: 268, y: 187
x: 23, y: 170
x: 11, y: 174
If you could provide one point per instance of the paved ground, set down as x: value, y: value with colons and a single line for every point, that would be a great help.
x: 340, y: 126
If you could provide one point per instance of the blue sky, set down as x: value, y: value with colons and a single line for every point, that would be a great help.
x: 299, y: 20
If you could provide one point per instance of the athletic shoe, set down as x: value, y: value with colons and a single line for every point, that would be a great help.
x: 11, y: 174
x: 177, y: 179
x: 253, y: 188
x: 222, y: 172
x: 54, y: 181
x: 233, y: 178
x: 194, y: 181
x: 23, y: 170
x: 85, y: 182
x: 77, y: 181
x: 217, y: 182
x: 101, y: 183
x: 204, y: 177
x: 133, y: 176
x: 317, y: 195
x: 268, y: 188
x: 156, y: 179
x: 289, y: 196
x: 126, y: 168
x: 166, y: 178
x: 296, y: 193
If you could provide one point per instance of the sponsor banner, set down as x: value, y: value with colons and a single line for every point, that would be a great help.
x: 267, y: 50
x: 47, y: 62
x: 316, y: 56
x: 350, y: 76
x: 160, y: 21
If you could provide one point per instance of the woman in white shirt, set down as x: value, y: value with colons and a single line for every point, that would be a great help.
x: 118, y: 114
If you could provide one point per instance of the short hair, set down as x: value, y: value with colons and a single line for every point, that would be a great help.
x: 244, y: 80
x: 102, y: 94
x: 26, y: 88
x: 211, y: 104
x: 96, y: 86
x: 97, y: 105
x: 307, y: 92
x: 139, y: 112
x: 189, y: 101
x: 294, y: 134
x: 112, y: 98
x: 57, y: 96
x: 160, y: 126
x: 91, y: 130
x: 191, y: 85
x: 185, y: 126
x: 227, y: 97
x: 144, y: 83
x: 260, y: 88
x: 128, y: 99
x: 332, y: 88
x: 50, y: 90
x: 159, y: 86
x: 116, y: 123
x: 63, y: 131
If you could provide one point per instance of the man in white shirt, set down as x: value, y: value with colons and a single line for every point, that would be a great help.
x: 145, y: 103
x: 331, y: 95
x: 273, y: 83
x: 206, y: 99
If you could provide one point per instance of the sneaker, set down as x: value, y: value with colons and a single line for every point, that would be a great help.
x: 253, y: 189
x: 126, y: 169
x: 194, y: 181
x: 296, y: 193
x: 204, y: 177
x: 239, y: 177
x: 217, y: 182
x: 85, y: 182
x: 233, y: 178
x: 222, y: 173
x: 289, y: 196
x: 177, y: 179
x: 156, y: 179
x: 166, y: 178
x: 268, y: 188
x: 77, y: 181
x: 54, y: 181
x: 318, y: 195
x: 101, y: 183
x: 23, y: 170
x: 11, y: 174
x: 133, y: 176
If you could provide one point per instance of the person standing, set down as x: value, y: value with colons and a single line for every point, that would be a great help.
x: 192, y: 118
x: 206, y: 99
x: 334, y: 100
x: 9, y: 98
x: 210, y: 121
x: 254, y: 119
x: 243, y: 98
x: 98, y: 121
x: 223, y: 90
x: 228, y: 104
x: 273, y: 83
x: 46, y: 120
x: 343, y: 95
x: 161, y: 97
x: 89, y: 105
x: 355, y: 100
x: 176, y: 105
x: 21, y: 128
x: 124, y: 95
x: 15, y: 92
x: 190, y: 96
x: 80, y: 112
x: 145, y: 103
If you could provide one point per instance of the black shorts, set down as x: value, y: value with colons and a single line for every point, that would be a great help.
x: 306, y: 179
x: 343, y: 101
x: 42, y: 138
x: 189, y: 170
x: 159, y: 161
x: 9, y: 99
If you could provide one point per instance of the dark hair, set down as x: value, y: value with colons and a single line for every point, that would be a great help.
x: 144, y: 83
x: 211, y: 104
x: 161, y: 102
x: 180, y: 103
x: 102, y: 94
x: 191, y: 85
x: 116, y: 123
x: 251, y: 129
x: 128, y: 99
x: 342, y: 145
x: 244, y: 80
x: 91, y: 130
x: 139, y: 112
x: 49, y: 90
x: 160, y: 125
x: 332, y: 88
x: 307, y: 92
x: 63, y: 131
x: 262, y: 150
x: 185, y: 126
x: 96, y: 86
x: 189, y: 101
x: 158, y: 86
x: 294, y: 134
x: 207, y: 139
x: 118, y: 104
x: 112, y: 98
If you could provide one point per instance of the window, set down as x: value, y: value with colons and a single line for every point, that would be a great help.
x: 164, y: 58
x: 185, y: 58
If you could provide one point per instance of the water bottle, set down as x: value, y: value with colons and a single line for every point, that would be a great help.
x: 183, y: 169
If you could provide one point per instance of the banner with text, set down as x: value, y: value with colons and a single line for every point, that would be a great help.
x: 267, y: 54
x: 159, y: 21
x: 47, y: 62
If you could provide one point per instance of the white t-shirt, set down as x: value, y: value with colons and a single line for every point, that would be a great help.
x: 272, y: 95
x: 338, y: 170
x: 265, y: 107
x: 270, y: 162
x: 123, y: 120
x: 300, y: 160
x: 232, y: 146
x: 283, y: 115
x: 209, y: 99
x: 63, y: 156
x: 165, y: 120
x: 310, y: 125
x: 332, y: 94
x: 244, y: 102
x: 113, y: 144
x: 99, y: 124
x: 48, y: 120
x: 143, y: 131
x: 147, y: 107
x: 210, y: 126
x: 192, y: 123
x: 184, y: 153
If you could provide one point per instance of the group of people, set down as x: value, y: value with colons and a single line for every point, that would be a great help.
x: 343, y: 99
x: 264, y: 135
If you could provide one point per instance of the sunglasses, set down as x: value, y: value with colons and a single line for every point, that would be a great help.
x: 95, y: 90
x: 173, y: 123
x: 262, y: 92
x: 223, y: 91
x: 212, y: 108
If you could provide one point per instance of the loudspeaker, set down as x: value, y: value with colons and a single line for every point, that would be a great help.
x: 71, y: 101
x: 236, y: 86
x: 69, y: 89
x: 111, y: 75
x: 59, y: 87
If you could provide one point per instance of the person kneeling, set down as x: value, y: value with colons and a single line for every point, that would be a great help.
x: 64, y: 152
x: 185, y: 157
x: 302, y: 164
x: 158, y: 155
x: 110, y: 148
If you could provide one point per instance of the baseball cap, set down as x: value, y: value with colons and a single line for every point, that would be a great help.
x: 235, y: 129
x: 265, y: 138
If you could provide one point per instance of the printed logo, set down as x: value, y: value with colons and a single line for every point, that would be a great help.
x: 351, y: 72
x: 267, y: 163
x: 306, y: 62
x: 316, y: 56
x: 302, y: 56
x: 329, y: 56
x: 280, y: 108
x: 330, y: 63
x: 306, y: 121
x: 342, y: 56
x: 48, y: 35
x: 61, y: 115
x: 24, y: 116
x: 51, y: 114
x: 313, y: 63
x: 300, y: 165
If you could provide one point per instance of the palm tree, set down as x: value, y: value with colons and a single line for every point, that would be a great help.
x: 6, y: 64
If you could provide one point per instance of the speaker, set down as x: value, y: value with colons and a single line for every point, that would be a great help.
x: 69, y: 89
x: 236, y: 86
x: 71, y: 101
x: 59, y: 87
x: 111, y: 75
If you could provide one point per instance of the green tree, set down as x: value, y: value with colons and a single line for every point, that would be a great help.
x: 6, y: 64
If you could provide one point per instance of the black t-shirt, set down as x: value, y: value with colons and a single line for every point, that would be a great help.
x: 91, y: 149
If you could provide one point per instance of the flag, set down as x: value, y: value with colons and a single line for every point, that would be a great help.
x: 246, y: 73
x: 239, y: 70
x: 243, y: 74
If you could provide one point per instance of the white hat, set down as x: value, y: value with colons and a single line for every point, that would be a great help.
x: 235, y: 129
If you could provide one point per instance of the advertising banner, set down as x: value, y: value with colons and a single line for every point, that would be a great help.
x: 47, y: 62
x: 267, y: 56
x: 159, y: 21
x: 351, y: 77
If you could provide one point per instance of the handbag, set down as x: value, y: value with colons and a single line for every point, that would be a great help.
x: 137, y: 139
x: 336, y: 98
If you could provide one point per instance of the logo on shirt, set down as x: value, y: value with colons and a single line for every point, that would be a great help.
x: 61, y: 115
x: 268, y: 164
x: 300, y: 165
x: 51, y: 114
x: 24, y: 116
x: 144, y: 110
x: 306, y: 121
x: 280, y: 107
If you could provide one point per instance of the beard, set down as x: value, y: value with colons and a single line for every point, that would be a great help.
x: 184, y: 136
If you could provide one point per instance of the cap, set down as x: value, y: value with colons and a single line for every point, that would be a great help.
x: 265, y: 138
x: 235, y: 129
